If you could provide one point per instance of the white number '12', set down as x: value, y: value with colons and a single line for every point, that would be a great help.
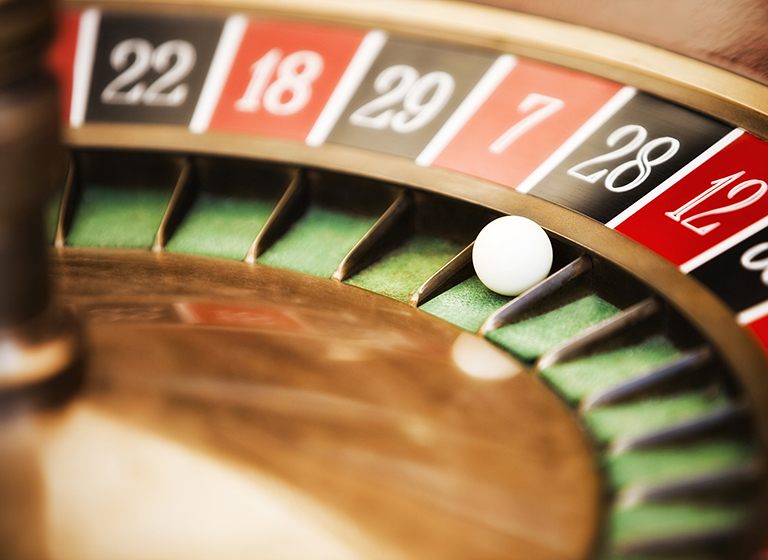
x: 292, y: 89
x: 717, y: 186
x: 145, y: 57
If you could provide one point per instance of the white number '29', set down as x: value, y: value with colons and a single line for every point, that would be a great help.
x: 401, y: 84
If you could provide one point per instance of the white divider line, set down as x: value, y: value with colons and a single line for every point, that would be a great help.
x: 85, y: 51
x: 723, y: 246
x: 366, y: 53
x: 616, y: 102
x: 499, y: 70
x: 229, y: 43
x: 752, y: 314
x: 690, y: 166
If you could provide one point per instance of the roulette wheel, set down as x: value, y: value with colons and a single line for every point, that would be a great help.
x: 268, y: 339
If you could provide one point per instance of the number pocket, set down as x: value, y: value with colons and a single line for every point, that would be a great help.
x: 548, y: 106
x: 718, y: 185
x: 402, y: 84
x: 292, y: 89
x: 749, y: 262
x: 145, y: 57
x: 642, y: 161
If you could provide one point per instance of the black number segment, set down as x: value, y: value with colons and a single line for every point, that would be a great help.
x: 637, y: 149
x: 739, y: 275
x: 407, y: 95
x: 150, y: 69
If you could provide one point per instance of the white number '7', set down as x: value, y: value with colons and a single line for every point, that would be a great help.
x: 548, y: 106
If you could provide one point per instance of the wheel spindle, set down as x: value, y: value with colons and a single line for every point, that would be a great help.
x: 38, y: 342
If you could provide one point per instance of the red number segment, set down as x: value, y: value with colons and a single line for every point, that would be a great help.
x: 61, y: 57
x: 532, y: 112
x: 282, y: 77
x: 719, y: 198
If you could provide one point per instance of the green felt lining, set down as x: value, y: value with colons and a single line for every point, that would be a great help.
x: 115, y: 217
x: 400, y: 273
x: 318, y: 242
x: 220, y: 227
x: 665, y: 465
x: 466, y: 305
x: 667, y: 520
x: 532, y: 337
x: 651, y: 414
x: 575, y: 380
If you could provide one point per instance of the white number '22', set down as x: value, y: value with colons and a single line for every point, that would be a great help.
x: 146, y: 58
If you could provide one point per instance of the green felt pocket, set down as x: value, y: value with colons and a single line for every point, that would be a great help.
x: 466, y: 305
x: 114, y: 217
x: 220, y: 227
x: 668, y: 520
x: 318, y: 242
x: 530, y: 338
x: 667, y: 465
x: 577, y: 379
x: 400, y: 273
x: 651, y: 414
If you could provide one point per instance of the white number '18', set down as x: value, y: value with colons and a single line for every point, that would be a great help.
x: 292, y: 89
x: 401, y: 84
x: 146, y: 57
x: 642, y: 161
